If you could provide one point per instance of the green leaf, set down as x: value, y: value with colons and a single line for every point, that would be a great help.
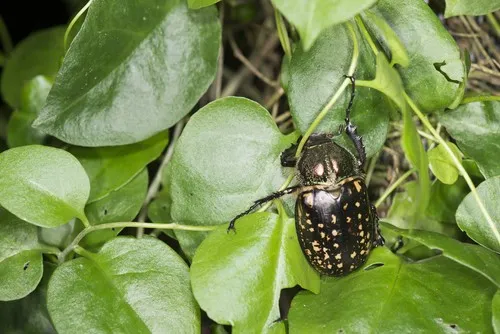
x: 146, y: 65
x: 415, y: 153
x: 29, y: 315
x: 197, y: 4
x: 227, y: 157
x: 466, y: 7
x: 435, y: 71
x: 433, y: 296
x: 472, y: 256
x: 131, y: 285
x: 441, y: 164
x: 39, y: 54
x: 42, y: 185
x: 471, y: 220
x: 263, y: 256
x: 476, y: 128
x: 110, y: 168
x: 445, y: 200
x: 19, y: 130
x: 496, y: 312
x: 389, y: 39
x: 20, y: 257
x: 315, y: 75
x: 311, y: 17
x: 119, y: 206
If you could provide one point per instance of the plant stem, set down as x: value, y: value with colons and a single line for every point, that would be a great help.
x: 494, y: 23
x: 72, y: 23
x: 283, y: 34
x: 393, y: 187
x: 366, y: 34
x: 480, y: 98
x: 457, y: 164
x: 155, y: 185
x: 167, y: 226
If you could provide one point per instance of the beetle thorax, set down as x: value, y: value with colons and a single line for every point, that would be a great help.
x: 326, y: 163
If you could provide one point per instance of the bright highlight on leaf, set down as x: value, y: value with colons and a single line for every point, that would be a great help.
x: 42, y: 185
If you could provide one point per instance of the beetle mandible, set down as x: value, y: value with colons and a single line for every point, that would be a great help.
x: 336, y: 224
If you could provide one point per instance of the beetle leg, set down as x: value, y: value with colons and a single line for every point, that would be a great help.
x: 261, y: 201
x: 288, y: 158
x: 350, y: 128
x: 378, y: 238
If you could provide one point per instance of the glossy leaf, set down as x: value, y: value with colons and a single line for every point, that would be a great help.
x: 315, y: 75
x: 390, y: 40
x: 472, y: 256
x: 466, y: 7
x: 39, y: 54
x: 119, y: 206
x: 433, y: 296
x: 432, y: 78
x: 143, y: 283
x: 110, y: 168
x: 20, y: 257
x: 496, y: 312
x: 144, y: 67
x: 29, y: 315
x: 227, y: 157
x: 445, y: 199
x: 441, y: 164
x: 19, y: 130
x: 476, y: 128
x: 197, y: 4
x: 42, y: 185
x: 321, y: 14
x: 471, y: 220
x: 240, y: 283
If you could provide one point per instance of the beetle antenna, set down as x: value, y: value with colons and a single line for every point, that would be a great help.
x: 350, y: 128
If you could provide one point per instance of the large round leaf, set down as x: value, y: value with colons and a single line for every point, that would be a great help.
x: 471, y: 220
x: 227, y: 157
x: 38, y: 54
x: 20, y: 257
x: 435, y: 72
x: 476, y: 128
x: 110, y: 168
x: 237, y: 278
x: 316, y: 74
x: 467, y: 7
x: 130, y: 286
x: 496, y: 312
x: 435, y: 296
x: 311, y: 17
x: 145, y: 66
x: 42, y: 185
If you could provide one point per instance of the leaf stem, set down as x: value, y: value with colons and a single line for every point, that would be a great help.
x: 457, y: 164
x: 493, y: 21
x: 393, y: 187
x: 167, y: 226
x: 366, y: 34
x: 282, y: 33
x: 73, y: 21
x: 480, y: 98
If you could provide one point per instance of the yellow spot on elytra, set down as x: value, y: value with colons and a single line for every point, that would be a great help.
x: 357, y: 186
x: 362, y: 241
x: 362, y: 233
x: 338, y: 256
x: 334, y: 219
x: 351, y: 267
x: 307, y: 215
x: 360, y: 215
x: 309, y: 222
x: 367, y: 218
x: 368, y: 235
x: 308, y: 252
x: 308, y: 199
x: 311, y: 229
x: 357, y: 204
x: 360, y: 227
x: 320, y: 262
x: 345, y: 206
x: 316, y: 249
x: 362, y: 252
x: 334, y: 233
x: 353, y: 255
x: 315, y: 243
x: 320, y: 225
x: 326, y: 256
x: 340, y: 265
x: 322, y: 235
x: 348, y: 219
x: 335, y: 245
x: 329, y: 266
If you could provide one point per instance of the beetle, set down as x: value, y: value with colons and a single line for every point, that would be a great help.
x: 336, y: 224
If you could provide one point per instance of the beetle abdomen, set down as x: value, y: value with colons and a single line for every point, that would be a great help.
x: 335, y: 227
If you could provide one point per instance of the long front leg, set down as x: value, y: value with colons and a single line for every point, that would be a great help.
x: 261, y: 201
x: 351, y: 129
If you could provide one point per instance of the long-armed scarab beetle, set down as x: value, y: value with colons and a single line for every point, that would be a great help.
x: 336, y: 224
